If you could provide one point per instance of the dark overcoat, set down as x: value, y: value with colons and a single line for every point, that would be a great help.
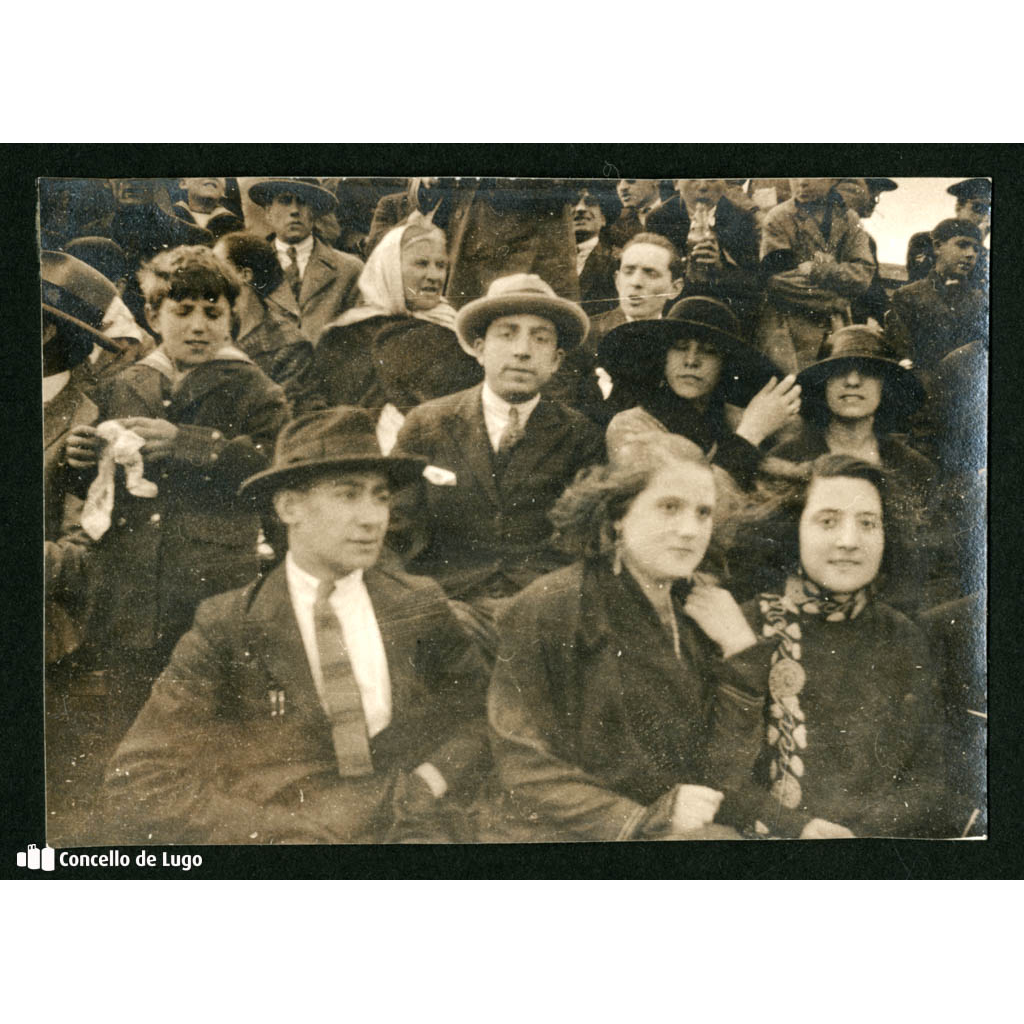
x: 477, y: 533
x: 207, y: 762
x: 161, y: 556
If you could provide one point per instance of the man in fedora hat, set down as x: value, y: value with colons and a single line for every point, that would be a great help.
x: 595, y: 262
x: 335, y: 700
x: 319, y: 282
x: 500, y: 453
x: 932, y: 317
x: 974, y: 204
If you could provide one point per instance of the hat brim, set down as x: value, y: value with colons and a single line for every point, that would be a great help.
x: 570, y: 321
x: 319, y: 198
x: 912, y: 394
x: 399, y: 469
x: 81, y: 327
x: 634, y: 354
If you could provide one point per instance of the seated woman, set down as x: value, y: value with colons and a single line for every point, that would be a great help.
x: 398, y: 348
x: 690, y: 373
x: 274, y: 346
x: 852, y: 402
x: 208, y: 418
x: 624, y: 698
x: 852, y: 710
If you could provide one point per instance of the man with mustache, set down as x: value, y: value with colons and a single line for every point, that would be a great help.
x: 595, y: 263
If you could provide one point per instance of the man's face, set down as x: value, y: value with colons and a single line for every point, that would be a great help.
x: 587, y: 218
x: 338, y: 523
x: 644, y: 281
x: 519, y: 354
x: 192, y: 331
x: 956, y: 257
x: 290, y: 217
x: 637, y: 192
x: 857, y: 196
x: 810, y: 190
x: 132, y: 191
x: 204, y: 189
x: 700, y: 190
x: 978, y: 212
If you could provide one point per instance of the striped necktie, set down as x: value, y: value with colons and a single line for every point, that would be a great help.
x: 340, y: 689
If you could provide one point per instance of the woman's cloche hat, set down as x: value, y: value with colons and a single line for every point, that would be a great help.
x: 521, y: 293
x: 863, y: 347
x: 343, y: 437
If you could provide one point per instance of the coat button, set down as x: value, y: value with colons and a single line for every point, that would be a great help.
x: 155, y: 517
x: 122, y: 521
x: 167, y: 402
x: 216, y: 435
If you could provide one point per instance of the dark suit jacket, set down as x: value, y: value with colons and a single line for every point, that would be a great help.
x: 928, y: 320
x: 330, y: 285
x: 479, y: 535
x: 597, y: 280
x: 206, y: 762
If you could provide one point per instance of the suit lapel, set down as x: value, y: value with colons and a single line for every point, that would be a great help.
x: 320, y: 271
x: 467, y: 429
x: 542, y: 440
x: 272, y: 634
x: 391, y: 606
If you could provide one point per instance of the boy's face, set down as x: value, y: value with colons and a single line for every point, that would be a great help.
x: 192, y: 331
x: 955, y: 257
x: 291, y: 217
x: 519, y: 354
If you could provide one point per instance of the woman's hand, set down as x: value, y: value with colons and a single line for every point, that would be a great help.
x: 771, y: 408
x: 716, y: 612
x: 818, y: 828
x: 83, y: 447
x: 695, y: 807
x: 159, y: 435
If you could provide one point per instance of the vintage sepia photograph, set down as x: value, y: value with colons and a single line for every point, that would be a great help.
x: 469, y: 510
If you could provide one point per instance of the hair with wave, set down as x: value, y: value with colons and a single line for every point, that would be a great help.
x: 600, y: 496
x: 187, y: 272
x: 245, y: 249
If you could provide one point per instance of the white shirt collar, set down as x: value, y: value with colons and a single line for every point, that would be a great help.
x: 54, y: 385
x: 307, y: 584
x: 583, y: 251
x: 497, y: 411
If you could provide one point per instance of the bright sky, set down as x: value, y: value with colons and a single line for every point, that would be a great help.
x: 917, y: 205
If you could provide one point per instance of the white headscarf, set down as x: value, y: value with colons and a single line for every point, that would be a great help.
x: 380, y: 283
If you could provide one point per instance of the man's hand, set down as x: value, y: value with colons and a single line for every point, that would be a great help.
x: 84, y: 447
x: 716, y: 612
x: 771, y: 408
x: 159, y: 436
x: 706, y: 253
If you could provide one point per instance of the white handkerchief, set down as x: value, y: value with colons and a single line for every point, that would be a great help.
x: 439, y: 476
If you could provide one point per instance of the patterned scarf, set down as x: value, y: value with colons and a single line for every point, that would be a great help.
x: 787, y: 733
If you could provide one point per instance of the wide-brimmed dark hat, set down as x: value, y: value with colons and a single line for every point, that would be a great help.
x: 76, y: 297
x: 342, y: 438
x: 881, y: 184
x: 634, y: 353
x: 521, y: 293
x: 321, y: 199
x: 972, y: 188
x: 865, y: 348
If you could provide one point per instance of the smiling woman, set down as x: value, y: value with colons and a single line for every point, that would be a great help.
x: 851, y: 732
